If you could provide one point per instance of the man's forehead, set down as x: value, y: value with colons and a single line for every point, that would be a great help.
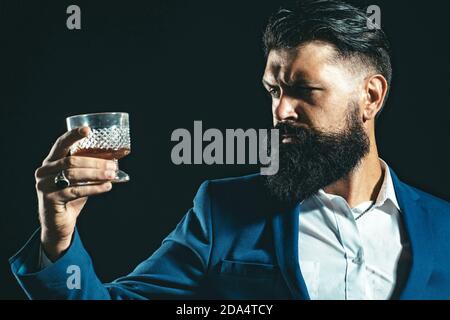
x: 298, y: 63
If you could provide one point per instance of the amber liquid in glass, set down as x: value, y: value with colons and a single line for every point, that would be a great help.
x: 102, y: 153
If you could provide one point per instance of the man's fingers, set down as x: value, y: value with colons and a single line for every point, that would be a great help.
x: 54, y: 167
x: 83, y: 175
x: 72, y: 193
x: 62, y: 146
x: 77, y: 176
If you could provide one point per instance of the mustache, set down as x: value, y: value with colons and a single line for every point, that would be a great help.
x: 292, y: 129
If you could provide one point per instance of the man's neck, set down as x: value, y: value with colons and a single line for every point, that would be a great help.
x: 362, y: 184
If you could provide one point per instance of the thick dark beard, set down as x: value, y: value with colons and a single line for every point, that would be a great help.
x: 316, y: 159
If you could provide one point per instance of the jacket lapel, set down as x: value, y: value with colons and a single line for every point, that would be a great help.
x: 285, y: 229
x: 418, y: 228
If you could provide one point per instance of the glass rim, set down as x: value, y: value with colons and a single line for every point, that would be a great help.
x: 97, y: 114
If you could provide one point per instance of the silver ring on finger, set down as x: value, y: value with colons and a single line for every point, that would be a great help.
x: 61, y: 180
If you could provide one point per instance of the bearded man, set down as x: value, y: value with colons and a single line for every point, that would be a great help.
x: 335, y: 222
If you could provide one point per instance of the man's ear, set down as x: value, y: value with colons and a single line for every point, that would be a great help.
x: 375, y: 91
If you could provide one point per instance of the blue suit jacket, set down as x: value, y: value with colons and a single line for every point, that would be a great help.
x: 235, y: 244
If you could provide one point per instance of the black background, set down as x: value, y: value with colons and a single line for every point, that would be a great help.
x: 169, y: 63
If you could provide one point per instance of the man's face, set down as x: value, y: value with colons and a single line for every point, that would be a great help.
x: 309, y: 87
x: 316, y: 106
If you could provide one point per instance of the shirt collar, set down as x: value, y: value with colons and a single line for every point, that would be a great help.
x: 387, y: 191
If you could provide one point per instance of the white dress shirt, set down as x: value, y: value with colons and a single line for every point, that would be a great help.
x: 346, y: 257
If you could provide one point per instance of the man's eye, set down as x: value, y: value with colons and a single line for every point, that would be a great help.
x: 274, y: 92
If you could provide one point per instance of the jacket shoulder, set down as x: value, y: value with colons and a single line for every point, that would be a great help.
x: 432, y: 200
x: 238, y: 193
x: 241, y: 181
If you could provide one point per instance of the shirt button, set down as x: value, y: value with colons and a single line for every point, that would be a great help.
x: 359, y: 259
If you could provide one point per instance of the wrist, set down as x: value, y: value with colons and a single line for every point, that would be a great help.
x: 53, y: 245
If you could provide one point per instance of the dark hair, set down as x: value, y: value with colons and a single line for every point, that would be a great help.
x: 335, y: 22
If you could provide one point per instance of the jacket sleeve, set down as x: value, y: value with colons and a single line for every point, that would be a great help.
x: 174, y: 271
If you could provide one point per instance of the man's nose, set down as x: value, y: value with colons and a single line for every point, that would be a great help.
x: 285, y: 109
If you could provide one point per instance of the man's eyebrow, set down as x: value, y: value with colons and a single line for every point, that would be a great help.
x: 304, y: 82
x: 266, y: 83
x: 298, y: 81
